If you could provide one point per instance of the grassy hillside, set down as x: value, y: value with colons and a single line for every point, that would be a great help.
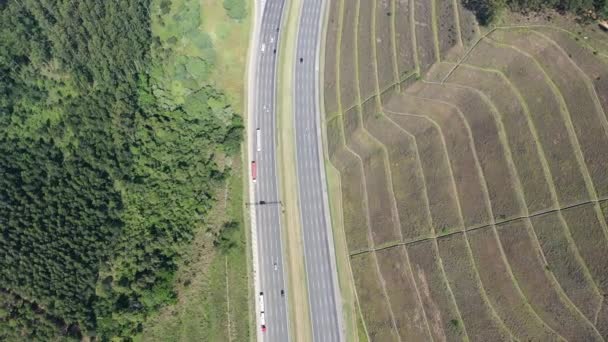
x: 116, y: 146
x: 471, y: 163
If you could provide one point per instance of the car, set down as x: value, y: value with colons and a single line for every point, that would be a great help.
x: 282, y: 293
x: 275, y: 266
x: 301, y: 59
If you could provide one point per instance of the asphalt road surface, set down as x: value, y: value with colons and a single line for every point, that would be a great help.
x: 266, y: 192
x: 319, y: 253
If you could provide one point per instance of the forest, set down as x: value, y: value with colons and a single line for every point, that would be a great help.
x: 110, y: 152
x: 487, y: 10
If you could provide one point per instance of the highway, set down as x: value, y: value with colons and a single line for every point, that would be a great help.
x: 323, y: 292
x: 266, y: 201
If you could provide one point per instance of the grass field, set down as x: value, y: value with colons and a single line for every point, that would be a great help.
x: 212, y: 287
x: 474, y: 192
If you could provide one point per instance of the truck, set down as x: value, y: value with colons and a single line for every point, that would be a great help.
x: 258, y: 139
x: 253, y: 171
x: 262, y: 318
x: 261, y: 301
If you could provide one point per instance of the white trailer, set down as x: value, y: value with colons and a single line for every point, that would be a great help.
x: 258, y: 139
x: 262, y: 302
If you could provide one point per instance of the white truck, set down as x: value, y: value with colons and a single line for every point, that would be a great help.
x: 262, y: 318
x: 258, y: 139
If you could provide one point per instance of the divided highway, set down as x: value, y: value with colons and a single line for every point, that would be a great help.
x: 324, y: 301
x: 321, y: 273
x: 266, y: 200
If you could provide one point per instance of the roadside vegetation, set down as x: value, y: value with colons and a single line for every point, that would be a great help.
x: 472, y: 200
x: 488, y: 10
x: 116, y: 146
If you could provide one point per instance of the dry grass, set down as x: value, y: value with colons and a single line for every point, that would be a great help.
x: 384, y: 43
x: 487, y: 151
x: 442, y: 313
x: 330, y: 90
x: 376, y: 311
x: 402, y: 294
x: 469, y: 29
x: 425, y: 37
x: 540, y: 288
x: 447, y: 26
x: 577, y: 95
x: 565, y: 263
x: 527, y: 77
x: 366, y: 53
x: 503, y: 293
x: 442, y: 200
x: 461, y: 159
x: 602, y: 320
x: 408, y: 187
x: 585, y: 57
x: 590, y: 237
x: 515, y: 136
x: 482, y: 323
x: 514, y: 116
x: 352, y: 187
x: 406, y: 62
x: 383, y: 221
x: 348, y: 57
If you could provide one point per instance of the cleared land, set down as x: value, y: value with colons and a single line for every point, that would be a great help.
x: 474, y: 194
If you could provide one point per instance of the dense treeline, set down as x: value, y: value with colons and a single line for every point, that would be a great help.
x: 486, y: 10
x: 103, y: 175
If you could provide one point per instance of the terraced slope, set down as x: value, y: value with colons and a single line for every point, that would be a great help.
x: 473, y: 173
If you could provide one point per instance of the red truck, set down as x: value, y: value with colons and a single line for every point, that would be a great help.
x: 253, y: 171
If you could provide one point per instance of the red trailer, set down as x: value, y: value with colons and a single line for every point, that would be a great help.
x: 253, y: 171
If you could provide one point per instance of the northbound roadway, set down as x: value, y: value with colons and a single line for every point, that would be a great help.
x: 321, y: 273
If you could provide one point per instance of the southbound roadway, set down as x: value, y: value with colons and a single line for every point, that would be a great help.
x: 321, y: 274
